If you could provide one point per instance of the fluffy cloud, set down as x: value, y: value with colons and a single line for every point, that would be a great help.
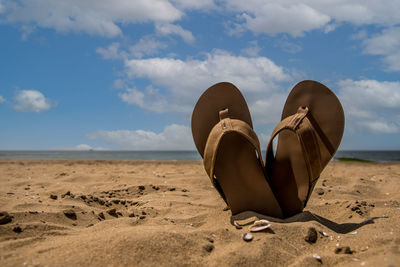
x: 195, y: 4
x: 146, y: 46
x: 386, y: 44
x: 296, y: 18
x: 168, y: 29
x: 97, y: 17
x: 31, y: 101
x: 2, y: 99
x: 110, y: 52
x: 184, y: 81
x: 173, y: 137
x: 371, y: 105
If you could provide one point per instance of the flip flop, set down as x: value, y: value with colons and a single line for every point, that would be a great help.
x: 309, y: 134
x: 223, y: 134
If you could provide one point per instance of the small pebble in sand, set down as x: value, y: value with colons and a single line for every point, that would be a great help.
x: 208, y: 248
x: 172, y: 189
x: 317, y: 257
x: 53, y: 196
x: 247, y: 237
x: 343, y: 250
x: 70, y: 214
x: 324, y: 234
x: 141, y: 187
x: 209, y: 239
x: 320, y: 191
x: 17, y: 229
x: 311, y: 236
x: 5, y: 217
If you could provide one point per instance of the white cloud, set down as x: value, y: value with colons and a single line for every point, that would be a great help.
x: 253, y: 50
x: 184, y: 81
x: 96, y: 17
x: 173, y: 137
x: 298, y: 17
x: 146, y: 46
x: 168, y: 29
x: 2, y: 99
x: 371, y: 105
x: 31, y: 101
x: 151, y: 100
x: 195, y: 4
x: 110, y: 52
x: 386, y: 44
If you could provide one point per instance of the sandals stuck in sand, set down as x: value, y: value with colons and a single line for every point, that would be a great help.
x: 309, y: 134
x: 223, y: 134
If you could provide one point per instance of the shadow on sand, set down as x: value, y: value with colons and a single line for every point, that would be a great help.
x: 341, y: 228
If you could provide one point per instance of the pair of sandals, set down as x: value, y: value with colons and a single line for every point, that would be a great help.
x: 309, y: 134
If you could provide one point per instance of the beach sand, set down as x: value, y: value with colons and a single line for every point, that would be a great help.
x: 133, y: 213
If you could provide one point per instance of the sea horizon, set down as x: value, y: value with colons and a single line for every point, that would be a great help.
x: 177, y: 155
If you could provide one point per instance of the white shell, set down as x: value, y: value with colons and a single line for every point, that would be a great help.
x: 260, y: 225
x: 247, y: 237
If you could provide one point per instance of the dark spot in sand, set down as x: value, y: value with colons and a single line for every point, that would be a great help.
x: 142, y: 217
x: 141, y: 187
x: 184, y: 190
x: 83, y: 197
x: 17, y: 229
x: 344, y: 250
x: 68, y: 193
x: 113, y: 212
x: 5, y: 217
x: 53, y: 196
x: 156, y: 187
x: 132, y: 214
x: 143, y: 212
x: 90, y: 225
x: 101, y: 215
x: 70, y: 214
x: 208, y: 248
x: 172, y: 189
x: 311, y: 236
x: 209, y: 239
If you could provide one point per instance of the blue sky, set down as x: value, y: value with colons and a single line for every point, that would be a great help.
x: 98, y: 74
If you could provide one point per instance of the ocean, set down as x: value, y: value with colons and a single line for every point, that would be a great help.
x: 378, y: 156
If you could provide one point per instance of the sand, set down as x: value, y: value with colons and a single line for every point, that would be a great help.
x: 132, y: 213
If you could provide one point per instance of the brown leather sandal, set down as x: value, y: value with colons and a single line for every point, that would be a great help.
x: 223, y: 134
x: 309, y: 134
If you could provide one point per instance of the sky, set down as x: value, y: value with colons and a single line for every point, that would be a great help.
x: 125, y: 75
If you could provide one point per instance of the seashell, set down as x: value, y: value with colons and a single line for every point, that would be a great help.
x: 260, y: 225
x: 247, y: 237
x: 237, y: 225
x: 317, y: 257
